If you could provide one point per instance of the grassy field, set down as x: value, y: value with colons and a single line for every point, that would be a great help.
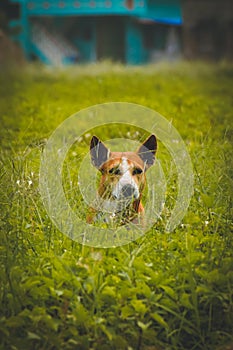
x: 165, y: 290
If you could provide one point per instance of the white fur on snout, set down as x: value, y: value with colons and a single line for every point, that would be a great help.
x: 125, y: 179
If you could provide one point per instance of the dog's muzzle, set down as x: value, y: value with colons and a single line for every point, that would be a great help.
x: 125, y: 191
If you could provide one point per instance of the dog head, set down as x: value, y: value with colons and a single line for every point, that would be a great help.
x: 123, y: 173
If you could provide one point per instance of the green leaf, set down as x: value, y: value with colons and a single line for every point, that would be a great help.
x: 81, y: 314
x: 143, y: 326
x: 159, y: 319
x: 208, y: 200
x: 169, y: 291
x: 127, y: 311
x: 139, y: 306
x: 31, y: 335
x: 143, y: 289
x: 185, y: 301
x: 108, y: 290
x: 15, y: 322
x: 106, y: 331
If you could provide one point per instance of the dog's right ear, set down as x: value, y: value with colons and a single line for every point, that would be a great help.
x: 147, y: 151
x: 99, y: 152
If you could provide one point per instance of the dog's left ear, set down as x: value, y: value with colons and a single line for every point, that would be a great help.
x: 147, y: 151
x: 99, y: 152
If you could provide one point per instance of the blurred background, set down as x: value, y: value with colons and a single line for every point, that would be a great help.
x: 62, y: 32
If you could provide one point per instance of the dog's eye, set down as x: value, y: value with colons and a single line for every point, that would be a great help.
x: 114, y: 171
x: 137, y: 171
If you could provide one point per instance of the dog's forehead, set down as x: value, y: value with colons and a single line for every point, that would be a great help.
x: 125, y: 158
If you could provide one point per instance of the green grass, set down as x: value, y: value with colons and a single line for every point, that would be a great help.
x: 164, y: 291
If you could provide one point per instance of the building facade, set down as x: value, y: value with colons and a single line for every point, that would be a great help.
x: 131, y: 31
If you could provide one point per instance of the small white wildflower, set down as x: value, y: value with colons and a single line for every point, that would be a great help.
x: 206, y: 222
x: 112, y: 216
x: 149, y: 264
x: 29, y: 182
x: 18, y: 182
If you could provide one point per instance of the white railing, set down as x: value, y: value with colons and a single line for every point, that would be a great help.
x: 57, y: 49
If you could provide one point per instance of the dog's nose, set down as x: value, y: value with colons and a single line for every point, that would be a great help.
x: 128, y: 191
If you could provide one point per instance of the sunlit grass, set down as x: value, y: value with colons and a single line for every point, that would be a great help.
x: 164, y: 291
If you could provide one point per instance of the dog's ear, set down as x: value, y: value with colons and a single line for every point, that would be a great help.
x: 99, y: 152
x: 147, y: 151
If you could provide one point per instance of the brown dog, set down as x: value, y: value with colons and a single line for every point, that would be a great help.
x: 122, y: 181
